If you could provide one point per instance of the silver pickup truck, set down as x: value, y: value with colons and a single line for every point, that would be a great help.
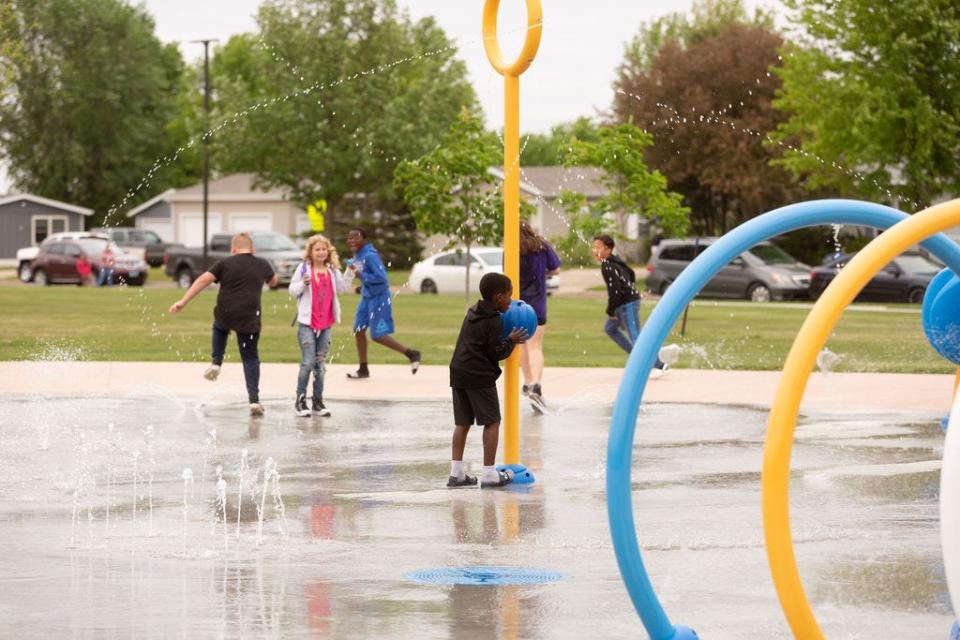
x: 184, y: 264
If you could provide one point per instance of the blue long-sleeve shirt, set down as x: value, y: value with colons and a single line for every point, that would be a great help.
x: 372, y: 273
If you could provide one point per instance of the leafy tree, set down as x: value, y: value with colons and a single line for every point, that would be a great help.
x: 703, y: 90
x: 330, y: 95
x: 539, y: 150
x: 84, y: 117
x: 631, y: 186
x: 10, y: 49
x: 871, y: 90
x: 448, y: 189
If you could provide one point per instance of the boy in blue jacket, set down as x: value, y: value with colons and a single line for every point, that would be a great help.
x: 474, y: 370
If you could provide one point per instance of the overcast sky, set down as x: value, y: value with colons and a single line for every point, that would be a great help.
x: 582, y: 45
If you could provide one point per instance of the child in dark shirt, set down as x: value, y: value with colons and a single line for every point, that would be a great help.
x: 241, y: 277
x: 623, y: 299
x: 474, y: 370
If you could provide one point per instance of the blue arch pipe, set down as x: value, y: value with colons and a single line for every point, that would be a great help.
x: 687, y: 285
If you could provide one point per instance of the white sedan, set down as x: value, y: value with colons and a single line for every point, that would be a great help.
x: 445, y: 272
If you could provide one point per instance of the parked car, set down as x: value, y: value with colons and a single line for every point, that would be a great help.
x: 149, y: 242
x: 763, y: 273
x: 57, y: 262
x: 445, y: 272
x: 184, y: 264
x: 27, y: 255
x: 903, y: 280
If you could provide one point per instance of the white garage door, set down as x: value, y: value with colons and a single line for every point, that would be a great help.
x: 191, y: 228
x: 250, y: 222
x: 163, y: 228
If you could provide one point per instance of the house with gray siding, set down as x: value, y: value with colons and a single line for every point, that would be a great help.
x: 26, y: 219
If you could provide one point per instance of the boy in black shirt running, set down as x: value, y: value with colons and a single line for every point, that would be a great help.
x: 474, y: 370
x: 623, y: 299
x: 241, y: 278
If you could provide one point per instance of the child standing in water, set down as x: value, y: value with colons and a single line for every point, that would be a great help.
x: 315, y: 286
x: 474, y: 370
x: 241, y: 277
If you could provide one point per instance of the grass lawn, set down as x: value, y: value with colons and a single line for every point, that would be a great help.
x: 65, y: 322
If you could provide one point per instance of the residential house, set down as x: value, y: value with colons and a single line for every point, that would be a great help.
x: 26, y: 219
x: 542, y: 187
x: 234, y: 205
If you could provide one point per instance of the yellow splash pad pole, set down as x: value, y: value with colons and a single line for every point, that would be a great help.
x: 786, y: 405
x: 511, y: 192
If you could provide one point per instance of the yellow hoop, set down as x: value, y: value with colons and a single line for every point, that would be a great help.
x: 793, y: 381
x: 530, y: 44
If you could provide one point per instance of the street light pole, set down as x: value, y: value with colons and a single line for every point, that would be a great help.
x: 206, y: 140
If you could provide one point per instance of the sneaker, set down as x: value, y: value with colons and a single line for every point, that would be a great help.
x: 536, y: 399
x: 212, y: 372
x: 319, y: 409
x: 525, y: 390
x: 414, y: 360
x: 299, y: 407
x: 656, y: 374
x: 359, y: 374
x: 256, y: 409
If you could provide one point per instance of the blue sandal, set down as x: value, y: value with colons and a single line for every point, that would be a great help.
x: 505, y: 478
x: 467, y: 481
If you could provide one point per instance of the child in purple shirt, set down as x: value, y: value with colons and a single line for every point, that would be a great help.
x: 538, y: 260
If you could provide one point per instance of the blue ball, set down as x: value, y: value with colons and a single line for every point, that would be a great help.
x: 940, y: 314
x: 520, y: 315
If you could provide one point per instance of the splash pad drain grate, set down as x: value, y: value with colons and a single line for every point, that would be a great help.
x: 483, y: 576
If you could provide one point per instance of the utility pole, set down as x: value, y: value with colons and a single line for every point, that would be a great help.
x: 206, y: 141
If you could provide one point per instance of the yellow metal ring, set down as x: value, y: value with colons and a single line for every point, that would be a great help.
x: 530, y: 44
x: 786, y: 405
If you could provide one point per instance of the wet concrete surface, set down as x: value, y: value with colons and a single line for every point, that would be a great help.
x: 103, y: 536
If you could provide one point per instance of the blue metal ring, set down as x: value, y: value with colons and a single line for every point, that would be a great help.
x: 689, y: 283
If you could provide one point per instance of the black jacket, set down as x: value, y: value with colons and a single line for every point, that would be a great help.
x: 476, y: 358
x: 620, y: 280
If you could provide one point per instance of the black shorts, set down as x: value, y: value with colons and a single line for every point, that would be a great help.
x: 475, y: 405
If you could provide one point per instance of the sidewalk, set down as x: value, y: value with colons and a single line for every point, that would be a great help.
x: 836, y: 391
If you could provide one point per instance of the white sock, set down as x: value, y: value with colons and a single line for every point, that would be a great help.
x: 456, y: 469
x: 490, y: 474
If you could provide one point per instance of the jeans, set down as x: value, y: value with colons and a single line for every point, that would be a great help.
x: 105, y: 277
x: 248, y: 354
x: 314, y: 346
x: 627, y: 317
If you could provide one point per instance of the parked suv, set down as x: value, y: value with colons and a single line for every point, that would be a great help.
x: 149, y: 242
x: 27, y: 255
x: 57, y: 262
x: 765, y: 272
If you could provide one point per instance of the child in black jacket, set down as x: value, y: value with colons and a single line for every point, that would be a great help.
x: 623, y: 299
x: 474, y: 370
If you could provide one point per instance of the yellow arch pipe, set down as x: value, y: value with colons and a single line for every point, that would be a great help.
x: 511, y: 192
x: 786, y: 404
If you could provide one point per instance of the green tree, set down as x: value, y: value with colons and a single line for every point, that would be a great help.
x: 631, y: 186
x: 449, y: 191
x: 10, y: 49
x: 871, y: 90
x: 706, y: 95
x: 539, y: 150
x: 85, y: 115
x: 330, y: 95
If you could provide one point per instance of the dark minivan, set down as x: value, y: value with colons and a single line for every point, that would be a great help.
x: 763, y: 273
